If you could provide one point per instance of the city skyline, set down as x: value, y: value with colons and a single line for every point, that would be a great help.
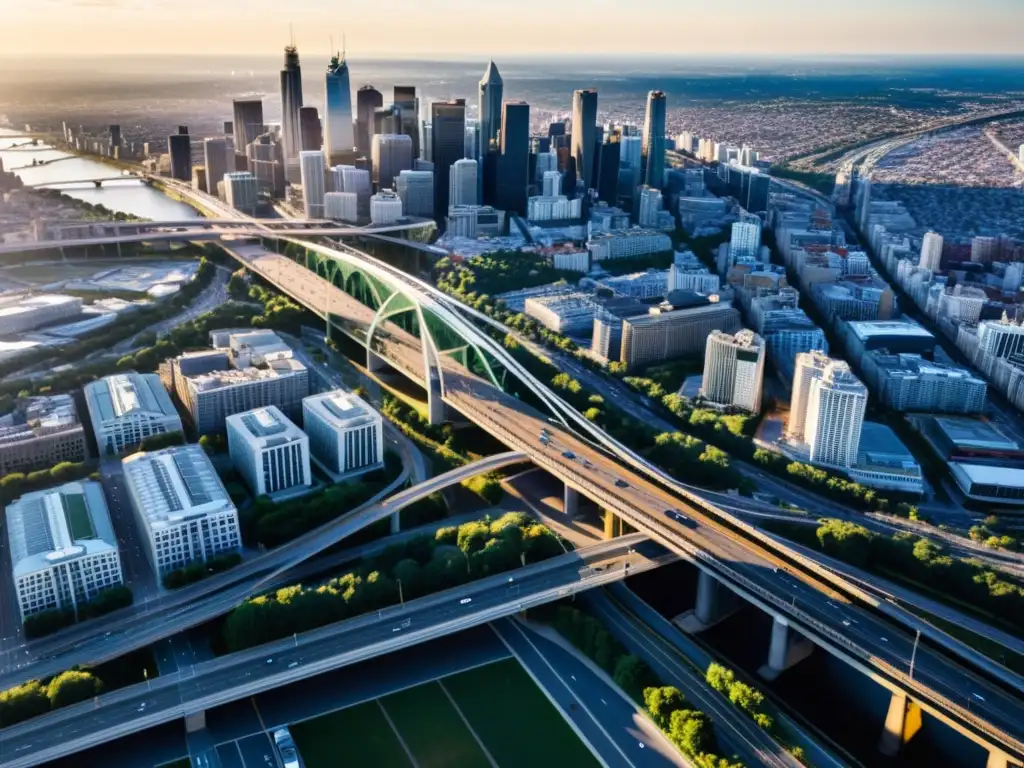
x: 795, y: 27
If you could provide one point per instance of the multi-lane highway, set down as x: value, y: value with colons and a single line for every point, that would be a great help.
x: 88, y: 646
x: 237, y: 675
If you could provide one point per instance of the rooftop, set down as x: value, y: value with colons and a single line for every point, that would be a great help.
x: 38, y: 415
x: 972, y: 433
x: 985, y: 474
x: 865, y: 329
x: 267, y: 427
x: 340, y: 408
x: 234, y: 376
x: 25, y: 304
x: 125, y: 394
x: 49, y: 526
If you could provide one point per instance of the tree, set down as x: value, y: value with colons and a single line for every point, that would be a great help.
x: 72, y: 687
x: 661, y: 702
x: 692, y: 731
x: 23, y: 702
x: 720, y: 678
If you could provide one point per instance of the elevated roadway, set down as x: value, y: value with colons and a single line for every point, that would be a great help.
x: 189, y: 692
x: 112, y: 636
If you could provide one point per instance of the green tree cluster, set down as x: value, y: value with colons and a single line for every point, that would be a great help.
x: 197, y: 571
x: 422, y: 565
x: 35, y: 698
x: 53, y: 620
x: 17, y: 484
x: 744, y: 696
x: 689, y: 729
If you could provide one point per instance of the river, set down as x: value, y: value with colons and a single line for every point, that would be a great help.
x: 126, y: 196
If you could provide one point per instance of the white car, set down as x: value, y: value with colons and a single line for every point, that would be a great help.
x: 286, y: 748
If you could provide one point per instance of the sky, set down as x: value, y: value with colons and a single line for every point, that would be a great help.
x: 447, y: 29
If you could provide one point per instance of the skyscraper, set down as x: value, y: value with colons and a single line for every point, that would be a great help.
x: 608, y: 178
x: 491, y: 90
x: 744, y: 240
x: 514, y: 162
x: 653, y: 150
x: 219, y: 161
x: 448, y: 119
x: 248, y: 122
x: 584, y: 130
x: 931, y: 251
x: 179, y: 147
x: 339, y: 138
x: 367, y: 100
x: 835, y: 416
x: 291, y: 102
x: 408, y: 115
x: 464, y: 183
x: 734, y: 370
x: 808, y: 367
x: 311, y: 165
x: 392, y: 154
x: 311, y: 130
x: 416, y: 188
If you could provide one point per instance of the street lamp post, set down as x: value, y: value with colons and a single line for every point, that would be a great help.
x: 913, y: 653
x: 401, y: 599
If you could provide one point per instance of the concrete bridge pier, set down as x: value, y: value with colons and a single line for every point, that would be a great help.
x: 902, y: 722
x: 374, y: 362
x: 571, y: 502
x: 997, y: 759
x: 195, y: 722
x: 396, y: 523
x: 613, y: 524
x: 715, y: 603
x: 788, y: 648
x: 437, y: 411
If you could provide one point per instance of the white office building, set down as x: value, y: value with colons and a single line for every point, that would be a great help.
x: 241, y: 191
x: 734, y: 370
x: 627, y: 244
x: 931, y: 252
x: 23, y: 313
x: 341, y: 206
x: 650, y: 206
x: 63, y: 548
x: 346, y: 435
x: 551, y: 183
x: 808, y: 367
x: 311, y: 165
x: 557, y: 208
x: 385, y: 207
x: 463, y: 183
x: 269, y: 451
x: 181, y: 507
x: 744, y: 241
x: 126, y: 408
x: 416, y: 188
x: 835, y: 416
x: 474, y: 221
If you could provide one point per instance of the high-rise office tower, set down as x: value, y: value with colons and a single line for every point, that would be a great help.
x: 387, y: 120
x: 984, y: 249
x: 416, y: 188
x: 219, y: 161
x: 808, y: 367
x: 734, y: 370
x: 744, y: 240
x: 448, y: 119
x: 392, y: 154
x: 427, y: 141
x: 472, y: 139
x: 584, y: 131
x: 931, y: 251
x: 291, y: 102
x: 408, y: 115
x: 608, y: 178
x: 348, y: 178
x: 491, y: 90
x: 310, y: 129
x: 835, y: 416
x: 266, y: 161
x: 339, y: 139
x: 115, y: 136
x: 248, y: 121
x: 179, y: 147
x: 367, y: 100
x: 650, y: 206
x: 653, y: 150
x: 311, y: 165
x: 514, y: 162
x: 464, y: 183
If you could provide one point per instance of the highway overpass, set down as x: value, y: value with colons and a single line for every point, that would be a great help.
x: 188, y: 693
x: 409, y: 325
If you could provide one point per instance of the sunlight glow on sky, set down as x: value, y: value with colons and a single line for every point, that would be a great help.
x: 453, y: 28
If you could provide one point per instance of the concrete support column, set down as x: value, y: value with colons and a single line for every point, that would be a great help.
x: 374, y: 362
x: 997, y: 759
x: 787, y: 649
x: 571, y: 502
x: 195, y: 722
x: 396, y: 523
x: 715, y: 603
x: 902, y: 721
x: 437, y: 412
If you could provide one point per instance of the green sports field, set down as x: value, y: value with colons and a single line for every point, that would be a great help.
x: 494, y: 712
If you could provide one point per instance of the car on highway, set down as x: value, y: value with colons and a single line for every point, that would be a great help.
x: 569, y: 455
x: 465, y: 600
x: 286, y: 749
x: 680, y: 518
x: 620, y: 483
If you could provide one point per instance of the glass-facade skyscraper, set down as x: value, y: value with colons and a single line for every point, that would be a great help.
x: 514, y: 161
x: 248, y: 123
x: 367, y: 100
x: 653, y: 148
x: 291, y: 102
x: 339, y: 138
x: 408, y: 115
x: 584, y: 132
x: 492, y: 89
x: 448, y: 121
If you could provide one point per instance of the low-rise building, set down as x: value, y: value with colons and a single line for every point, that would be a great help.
x: 568, y: 313
x: 346, y: 436
x: 39, y: 433
x: 269, y: 451
x: 341, y: 206
x: 126, y: 408
x: 908, y: 382
x: 667, y: 332
x: 181, y: 506
x: 63, y: 548
x: 23, y: 313
x: 627, y: 244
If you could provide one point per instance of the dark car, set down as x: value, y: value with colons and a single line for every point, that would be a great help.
x: 569, y: 455
x: 620, y: 483
x: 680, y: 518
